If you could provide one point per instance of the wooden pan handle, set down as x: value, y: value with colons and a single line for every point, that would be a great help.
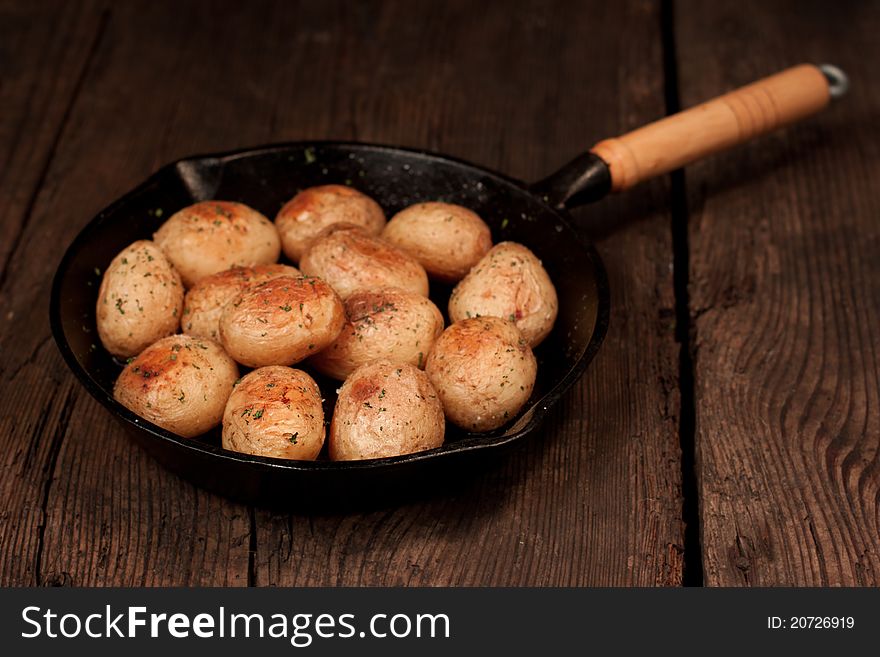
x: 721, y: 123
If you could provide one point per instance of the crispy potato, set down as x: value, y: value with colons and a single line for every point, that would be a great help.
x: 281, y: 321
x: 212, y: 236
x: 275, y: 411
x: 385, y: 409
x: 509, y: 282
x: 179, y: 383
x: 204, y: 302
x: 388, y: 323
x: 446, y: 239
x: 140, y: 300
x: 350, y: 259
x: 483, y: 371
x: 315, y: 208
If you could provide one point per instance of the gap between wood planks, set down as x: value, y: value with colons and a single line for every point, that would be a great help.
x: 690, y: 512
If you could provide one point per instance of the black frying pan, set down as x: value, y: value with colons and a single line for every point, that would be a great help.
x: 534, y: 215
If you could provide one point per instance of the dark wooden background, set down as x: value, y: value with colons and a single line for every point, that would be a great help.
x: 727, y: 433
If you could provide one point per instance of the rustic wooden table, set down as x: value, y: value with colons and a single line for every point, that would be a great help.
x: 727, y: 433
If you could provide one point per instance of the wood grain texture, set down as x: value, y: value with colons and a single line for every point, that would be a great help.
x: 44, y: 50
x: 785, y: 302
x: 596, y: 498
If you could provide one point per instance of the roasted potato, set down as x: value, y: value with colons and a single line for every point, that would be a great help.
x: 350, y: 259
x: 140, y: 300
x: 387, y: 323
x: 509, y: 282
x: 213, y: 236
x: 385, y: 409
x: 315, y: 208
x: 275, y: 411
x: 204, y: 302
x: 446, y: 239
x: 179, y: 383
x: 281, y: 321
x: 483, y: 370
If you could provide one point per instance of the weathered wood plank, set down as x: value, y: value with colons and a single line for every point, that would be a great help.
x: 44, y: 51
x: 597, y: 499
x: 44, y: 48
x: 785, y: 304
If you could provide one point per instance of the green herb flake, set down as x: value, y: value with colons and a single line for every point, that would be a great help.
x: 309, y: 154
x: 258, y: 414
x: 504, y: 223
x: 182, y: 397
x: 286, y: 308
x: 292, y: 437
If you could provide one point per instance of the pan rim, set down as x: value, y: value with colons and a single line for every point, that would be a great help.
x: 521, y: 428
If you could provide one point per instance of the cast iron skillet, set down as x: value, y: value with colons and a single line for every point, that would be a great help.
x: 265, y: 178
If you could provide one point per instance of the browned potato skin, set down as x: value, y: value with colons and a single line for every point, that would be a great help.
x: 275, y: 411
x: 204, y: 302
x: 140, y: 300
x: 179, y: 383
x: 212, y: 236
x: 315, y: 208
x: 509, y: 282
x: 385, y: 409
x: 281, y: 321
x: 447, y: 239
x: 483, y: 371
x: 350, y: 259
x: 388, y: 323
